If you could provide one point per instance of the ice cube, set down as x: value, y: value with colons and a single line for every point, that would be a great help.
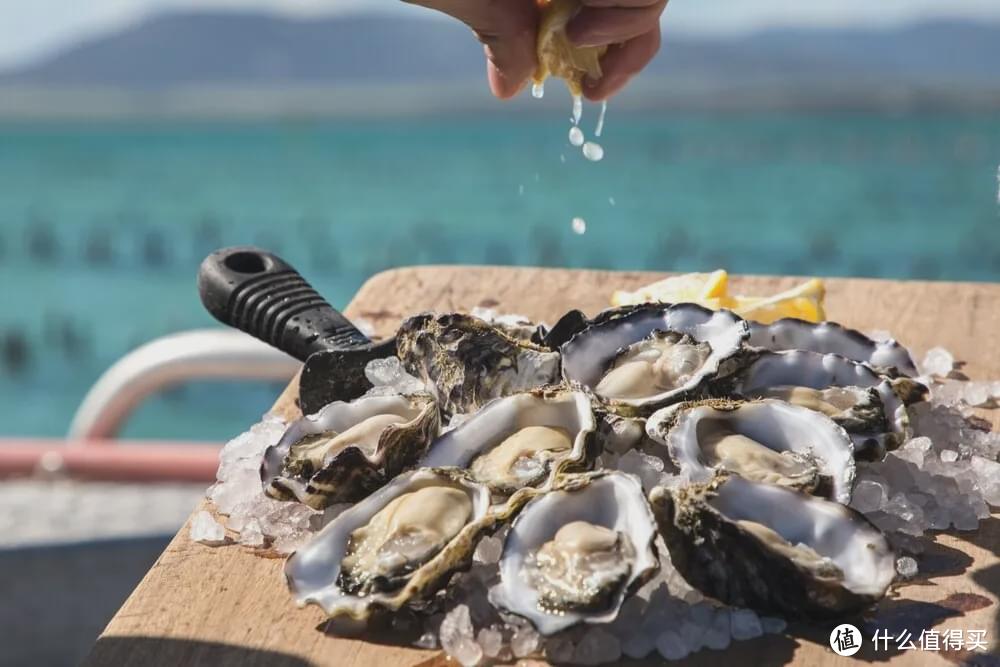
x: 773, y: 625
x: 205, y: 529
x: 491, y: 641
x: 988, y: 477
x: 978, y: 394
x: 671, y: 645
x: 906, y: 567
x: 457, y: 637
x: 938, y: 361
x: 949, y: 455
x: 525, y: 641
x: 488, y: 550
x: 597, y: 647
x: 745, y: 624
x: 868, y: 496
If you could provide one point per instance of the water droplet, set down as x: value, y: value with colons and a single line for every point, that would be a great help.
x: 611, y: 200
x: 538, y: 90
x: 593, y: 151
x: 579, y: 226
x: 562, y: 158
x: 520, y: 189
x: 600, y: 119
x: 577, y: 109
x: 576, y: 137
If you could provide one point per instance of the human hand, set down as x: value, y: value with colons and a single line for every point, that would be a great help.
x: 630, y: 28
x: 508, y: 30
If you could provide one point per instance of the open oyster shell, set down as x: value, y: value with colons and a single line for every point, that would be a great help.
x: 348, y: 449
x: 397, y: 546
x: 519, y: 441
x: 764, y: 441
x: 886, y: 356
x: 469, y: 361
x: 865, y: 403
x: 573, y: 554
x: 772, y: 549
x: 641, y: 358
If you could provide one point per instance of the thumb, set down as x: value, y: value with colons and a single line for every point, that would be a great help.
x: 508, y: 38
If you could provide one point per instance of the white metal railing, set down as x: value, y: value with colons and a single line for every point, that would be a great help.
x: 190, y: 355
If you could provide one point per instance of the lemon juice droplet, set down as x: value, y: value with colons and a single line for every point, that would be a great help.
x: 576, y: 136
x: 579, y: 226
x: 577, y: 109
x: 611, y: 200
x: 593, y: 151
x: 600, y: 119
x: 538, y: 90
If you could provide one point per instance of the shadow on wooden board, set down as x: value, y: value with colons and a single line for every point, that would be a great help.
x: 191, y: 653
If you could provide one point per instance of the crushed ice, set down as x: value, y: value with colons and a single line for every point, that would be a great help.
x: 945, y: 477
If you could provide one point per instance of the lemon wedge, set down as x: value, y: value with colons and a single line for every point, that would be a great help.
x: 689, y: 287
x: 710, y: 290
x: 804, y: 302
x: 557, y: 56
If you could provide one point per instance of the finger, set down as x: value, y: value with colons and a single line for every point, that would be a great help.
x: 621, y: 63
x: 509, y: 43
x: 597, y: 26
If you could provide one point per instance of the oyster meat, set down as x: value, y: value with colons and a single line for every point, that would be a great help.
x: 395, y: 547
x: 886, y: 356
x: 764, y: 441
x: 347, y: 450
x: 574, y: 553
x: 470, y: 362
x: 773, y: 549
x: 520, y: 441
x: 647, y: 356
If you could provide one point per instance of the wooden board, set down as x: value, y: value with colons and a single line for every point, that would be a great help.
x: 228, y: 606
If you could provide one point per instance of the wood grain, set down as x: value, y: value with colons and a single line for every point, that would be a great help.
x: 229, y: 606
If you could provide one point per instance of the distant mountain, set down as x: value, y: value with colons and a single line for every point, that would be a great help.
x: 262, y: 49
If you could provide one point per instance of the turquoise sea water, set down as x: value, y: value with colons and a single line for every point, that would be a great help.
x: 102, y: 226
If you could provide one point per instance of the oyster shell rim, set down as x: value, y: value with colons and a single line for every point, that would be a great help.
x: 422, y: 429
x: 506, y: 594
x: 592, y: 370
x: 425, y: 580
x: 664, y: 423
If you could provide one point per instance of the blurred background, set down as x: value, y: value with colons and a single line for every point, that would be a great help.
x: 831, y: 138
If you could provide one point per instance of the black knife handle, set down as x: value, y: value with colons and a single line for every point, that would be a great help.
x: 258, y: 292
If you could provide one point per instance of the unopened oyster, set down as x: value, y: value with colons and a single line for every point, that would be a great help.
x: 764, y: 441
x: 772, y: 549
x: 469, y: 362
x: 520, y: 441
x: 397, y: 546
x: 644, y: 357
x: 852, y: 394
x: 886, y: 356
x: 574, y: 553
x: 349, y: 449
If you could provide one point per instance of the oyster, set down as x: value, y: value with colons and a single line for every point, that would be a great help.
x: 397, y: 546
x: 764, y: 441
x: 886, y: 356
x: 863, y: 402
x: 574, y: 553
x: 644, y: 357
x: 469, y: 362
x: 772, y: 549
x: 347, y: 450
x: 520, y: 441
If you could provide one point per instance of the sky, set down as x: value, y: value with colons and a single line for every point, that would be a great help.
x: 33, y: 29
